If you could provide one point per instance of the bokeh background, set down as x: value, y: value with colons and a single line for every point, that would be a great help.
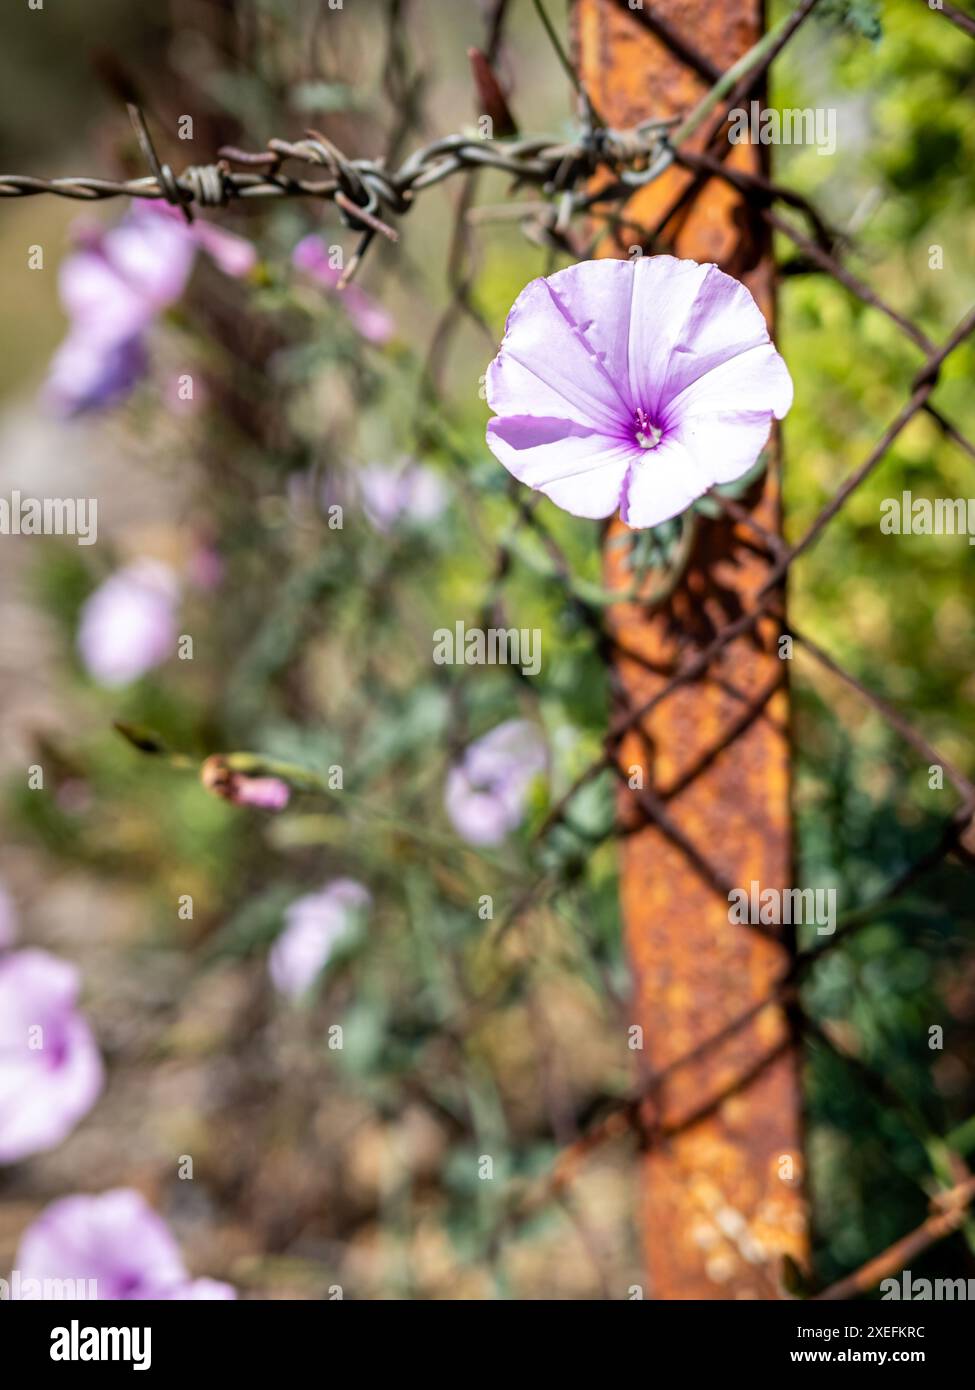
x: 316, y: 1166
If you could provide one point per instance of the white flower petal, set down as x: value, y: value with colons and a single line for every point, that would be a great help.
x: 580, y: 470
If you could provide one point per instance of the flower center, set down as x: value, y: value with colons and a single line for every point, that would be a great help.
x: 647, y: 433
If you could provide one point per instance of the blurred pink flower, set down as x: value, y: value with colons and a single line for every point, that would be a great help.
x: 369, y: 318
x: 267, y: 793
x: 115, y: 1239
x: 121, y: 276
x: 91, y: 370
x: 50, y: 1068
x: 8, y: 919
x: 408, y: 491
x: 233, y: 254
x: 113, y: 286
x: 634, y: 384
x: 487, y: 790
x: 241, y: 788
x: 128, y: 625
x: 313, y: 926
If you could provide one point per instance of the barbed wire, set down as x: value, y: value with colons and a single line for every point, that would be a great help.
x: 363, y: 189
x: 367, y: 193
x: 543, y: 160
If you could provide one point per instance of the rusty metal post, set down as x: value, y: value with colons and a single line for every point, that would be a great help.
x: 722, y: 1191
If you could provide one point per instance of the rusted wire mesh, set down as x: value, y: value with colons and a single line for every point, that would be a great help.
x: 593, y: 176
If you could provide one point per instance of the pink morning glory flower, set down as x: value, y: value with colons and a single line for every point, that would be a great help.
x: 128, y: 625
x: 314, y: 924
x: 635, y: 385
x: 113, y: 285
x: 487, y: 790
x: 50, y: 1068
x: 115, y: 1240
x: 407, y: 492
x: 368, y: 317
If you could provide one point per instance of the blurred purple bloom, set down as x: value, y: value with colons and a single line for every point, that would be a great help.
x: 233, y: 254
x: 50, y: 1068
x: 313, y: 926
x: 91, y: 370
x: 115, y: 1239
x: 241, y: 788
x: 8, y: 919
x: 408, y: 491
x: 113, y: 286
x: 128, y: 625
x: 267, y: 793
x: 120, y: 277
x: 369, y: 318
x: 487, y: 790
x: 634, y: 384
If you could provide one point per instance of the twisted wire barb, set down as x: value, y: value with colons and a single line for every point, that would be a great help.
x: 367, y: 193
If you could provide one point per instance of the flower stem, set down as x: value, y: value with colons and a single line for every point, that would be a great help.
x: 728, y: 80
x: 556, y: 43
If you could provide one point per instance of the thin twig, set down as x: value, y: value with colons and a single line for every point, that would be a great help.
x: 953, y: 1204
